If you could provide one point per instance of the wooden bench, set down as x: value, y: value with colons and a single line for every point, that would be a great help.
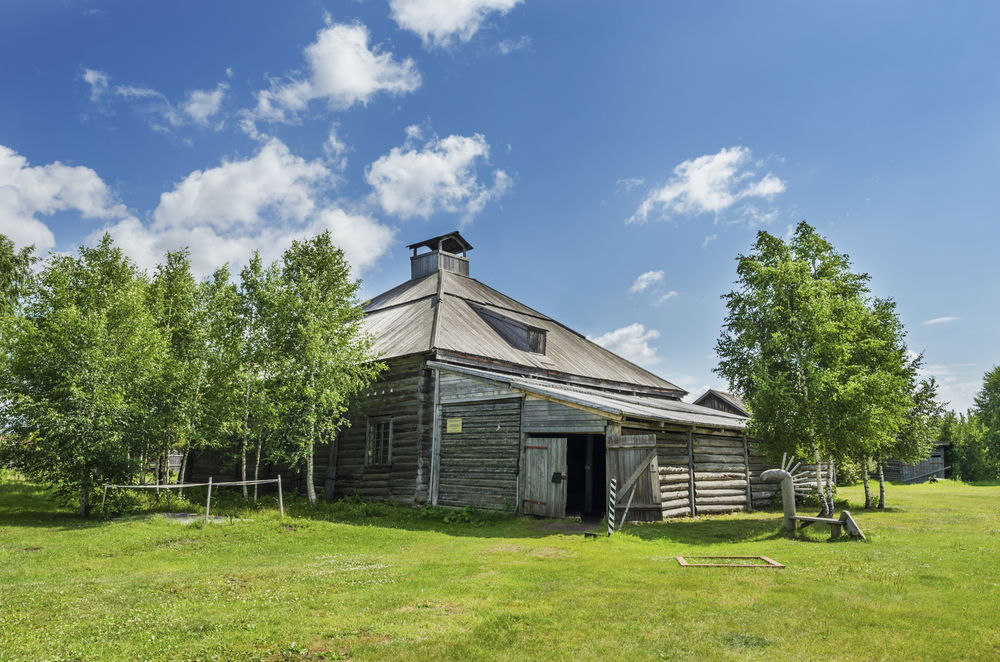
x: 837, y: 526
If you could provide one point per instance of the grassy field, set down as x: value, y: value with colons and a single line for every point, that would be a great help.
x: 374, y: 582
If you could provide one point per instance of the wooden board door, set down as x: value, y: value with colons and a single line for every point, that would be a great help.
x: 632, y: 460
x: 545, y: 477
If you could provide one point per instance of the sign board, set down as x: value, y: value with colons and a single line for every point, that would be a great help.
x: 454, y: 425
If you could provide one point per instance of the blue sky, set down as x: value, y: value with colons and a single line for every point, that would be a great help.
x: 608, y: 161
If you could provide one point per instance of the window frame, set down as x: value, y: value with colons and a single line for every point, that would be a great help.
x: 385, y: 452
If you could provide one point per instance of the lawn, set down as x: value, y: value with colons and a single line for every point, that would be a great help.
x: 361, y: 582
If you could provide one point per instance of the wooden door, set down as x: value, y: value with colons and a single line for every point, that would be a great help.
x: 632, y: 461
x: 545, y: 477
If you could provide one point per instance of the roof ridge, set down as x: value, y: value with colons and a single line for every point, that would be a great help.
x: 437, y: 310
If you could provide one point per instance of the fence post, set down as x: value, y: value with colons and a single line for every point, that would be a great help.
x: 208, y: 504
x: 281, y: 502
x: 104, y: 498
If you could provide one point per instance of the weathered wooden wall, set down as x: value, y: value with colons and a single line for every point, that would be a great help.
x: 404, y: 392
x: 707, y: 471
x: 543, y: 416
x: 479, y: 465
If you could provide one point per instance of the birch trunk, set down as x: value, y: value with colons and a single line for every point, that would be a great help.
x: 830, y: 482
x: 881, y: 486
x: 180, y: 474
x: 868, y: 489
x: 245, y: 434
x: 256, y: 469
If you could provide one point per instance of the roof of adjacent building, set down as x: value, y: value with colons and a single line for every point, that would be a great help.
x: 457, y: 319
x: 632, y: 406
x: 731, y: 399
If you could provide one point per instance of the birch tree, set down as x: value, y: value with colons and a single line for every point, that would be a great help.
x: 79, y: 358
x: 325, y: 354
x: 817, y: 360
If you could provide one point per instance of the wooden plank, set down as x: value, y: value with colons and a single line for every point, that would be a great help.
x: 690, y: 436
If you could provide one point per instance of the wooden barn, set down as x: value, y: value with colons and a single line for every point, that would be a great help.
x: 488, y: 402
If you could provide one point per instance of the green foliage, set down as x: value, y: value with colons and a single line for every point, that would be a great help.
x: 988, y: 411
x: 80, y: 359
x: 819, y: 362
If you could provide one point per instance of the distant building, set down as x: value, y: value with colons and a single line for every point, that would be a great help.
x: 727, y: 402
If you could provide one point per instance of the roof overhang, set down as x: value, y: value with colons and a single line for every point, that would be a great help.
x: 615, y: 406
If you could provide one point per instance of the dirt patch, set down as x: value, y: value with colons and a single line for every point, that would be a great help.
x: 568, y: 526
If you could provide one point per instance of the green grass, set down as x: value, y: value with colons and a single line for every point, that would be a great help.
x: 377, y: 582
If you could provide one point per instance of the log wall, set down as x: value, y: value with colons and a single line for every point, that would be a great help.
x: 479, y: 465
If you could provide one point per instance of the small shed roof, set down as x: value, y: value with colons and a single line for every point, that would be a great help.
x: 731, y: 399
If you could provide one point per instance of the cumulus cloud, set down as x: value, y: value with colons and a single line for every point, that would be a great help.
x: 438, y: 22
x: 645, y: 280
x: 343, y: 70
x: 28, y: 191
x: 262, y: 202
x: 198, y: 107
x: 632, y: 343
x: 708, y: 240
x: 440, y: 175
x: 941, y: 320
x: 710, y: 184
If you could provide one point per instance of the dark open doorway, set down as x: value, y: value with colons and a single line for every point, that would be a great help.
x: 577, y: 503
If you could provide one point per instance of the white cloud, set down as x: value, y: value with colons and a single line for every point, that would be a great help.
x: 632, y: 343
x: 708, y: 240
x: 343, y: 70
x: 941, y: 320
x: 198, y: 108
x: 201, y: 105
x: 437, y: 22
x: 440, y: 176
x: 645, y: 280
x: 710, y: 183
x: 263, y: 202
x: 26, y: 192
x: 99, y: 83
x: 665, y: 297
x: 630, y: 183
x: 508, y: 46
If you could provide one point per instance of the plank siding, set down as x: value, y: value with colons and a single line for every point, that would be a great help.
x: 545, y: 416
x: 479, y: 465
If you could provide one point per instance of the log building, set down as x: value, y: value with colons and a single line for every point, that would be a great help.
x: 487, y: 402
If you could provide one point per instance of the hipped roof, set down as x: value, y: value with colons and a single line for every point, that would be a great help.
x: 436, y: 314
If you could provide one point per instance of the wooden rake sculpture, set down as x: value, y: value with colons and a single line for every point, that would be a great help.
x: 798, y: 483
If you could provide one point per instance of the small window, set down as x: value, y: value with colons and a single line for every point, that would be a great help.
x: 378, y: 450
x: 536, y: 341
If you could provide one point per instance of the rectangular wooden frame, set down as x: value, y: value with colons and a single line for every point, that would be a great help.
x: 768, y: 563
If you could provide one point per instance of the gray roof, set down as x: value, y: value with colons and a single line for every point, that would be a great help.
x: 730, y: 398
x: 633, y: 406
x: 412, y: 319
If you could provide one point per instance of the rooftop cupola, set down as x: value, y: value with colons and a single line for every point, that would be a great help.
x: 447, y: 253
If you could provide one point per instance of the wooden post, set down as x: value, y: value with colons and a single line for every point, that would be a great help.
x: 694, y: 507
x: 168, y: 498
x: 208, y: 504
x: 588, y: 479
x: 281, y: 501
x: 746, y: 461
x: 788, y: 501
x: 436, y: 439
x: 104, y: 498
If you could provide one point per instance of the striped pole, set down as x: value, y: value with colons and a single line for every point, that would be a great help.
x: 612, y: 504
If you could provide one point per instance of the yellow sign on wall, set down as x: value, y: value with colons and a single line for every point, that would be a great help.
x: 454, y: 425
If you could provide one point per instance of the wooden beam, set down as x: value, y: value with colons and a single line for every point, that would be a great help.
x: 436, y: 441
x: 691, y: 496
